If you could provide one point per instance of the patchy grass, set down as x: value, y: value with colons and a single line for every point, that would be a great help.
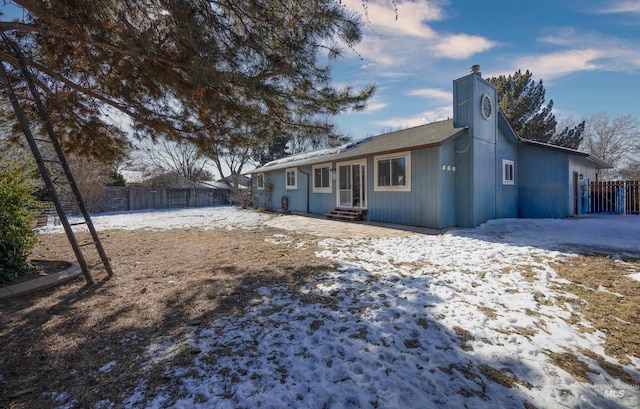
x: 572, y: 364
x: 504, y: 376
x: 489, y: 312
x: 164, y: 283
x: 525, y: 332
x: 465, y: 337
x: 607, y: 298
x: 614, y: 370
x: 167, y: 283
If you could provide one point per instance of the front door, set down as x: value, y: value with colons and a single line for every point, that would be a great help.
x: 352, y: 185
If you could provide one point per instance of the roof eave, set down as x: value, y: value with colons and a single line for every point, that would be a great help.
x: 600, y: 164
x: 339, y: 156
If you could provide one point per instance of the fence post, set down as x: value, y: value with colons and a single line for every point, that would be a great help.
x: 623, y: 198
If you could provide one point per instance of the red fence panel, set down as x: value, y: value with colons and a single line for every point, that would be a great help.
x: 621, y: 197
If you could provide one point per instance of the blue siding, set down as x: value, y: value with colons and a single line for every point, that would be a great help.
x: 447, y: 186
x: 484, y: 155
x: 476, y: 180
x: 276, y: 180
x: 463, y: 115
x: 463, y: 175
x: 467, y: 196
x: 543, y: 183
x: 420, y: 206
x: 259, y: 197
x: 507, y: 195
x: 484, y: 179
x: 462, y: 102
x: 275, y: 190
x: 297, y: 197
x: 322, y: 203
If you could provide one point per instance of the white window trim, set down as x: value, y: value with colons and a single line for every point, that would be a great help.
x: 313, y: 177
x: 286, y: 179
x: 506, y: 181
x: 258, y: 186
x: 364, y: 193
x: 407, y: 173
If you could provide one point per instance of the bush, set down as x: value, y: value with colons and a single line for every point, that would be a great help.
x: 17, y: 209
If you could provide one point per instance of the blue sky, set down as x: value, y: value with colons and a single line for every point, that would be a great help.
x: 587, y: 53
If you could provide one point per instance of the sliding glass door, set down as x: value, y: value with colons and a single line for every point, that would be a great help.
x: 352, y: 185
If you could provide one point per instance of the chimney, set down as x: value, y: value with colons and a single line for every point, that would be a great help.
x: 475, y: 69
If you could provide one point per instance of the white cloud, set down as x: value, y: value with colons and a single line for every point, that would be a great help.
x: 425, y: 117
x: 374, y: 106
x: 583, y: 51
x: 382, y: 52
x: 395, y: 75
x: 627, y: 6
x: 461, y: 46
x: 406, y: 42
x: 411, y: 17
x: 561, y: 63
x: 432, y: 93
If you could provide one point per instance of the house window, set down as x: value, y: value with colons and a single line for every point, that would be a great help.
x: 260, y: 181
x: 292, y: 178
x: 322, y: 179
x: 393, y: 172
x: 507, y: 172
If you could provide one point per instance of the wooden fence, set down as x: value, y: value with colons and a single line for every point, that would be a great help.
x: 620, y: 197
x: 117, y: 199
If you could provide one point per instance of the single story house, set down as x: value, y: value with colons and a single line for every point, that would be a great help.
x: 457, y: 172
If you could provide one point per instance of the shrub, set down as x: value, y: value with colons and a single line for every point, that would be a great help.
x: 17, y: 209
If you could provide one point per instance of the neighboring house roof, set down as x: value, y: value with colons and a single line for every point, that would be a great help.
x: 177, y: 181
x: 422, y: 136
x: 243, y: 180
x: 210, y: 184
x: 133, y: 176
x: 169, y: 180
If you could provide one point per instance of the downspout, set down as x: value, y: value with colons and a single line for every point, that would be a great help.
x: 308, y: 186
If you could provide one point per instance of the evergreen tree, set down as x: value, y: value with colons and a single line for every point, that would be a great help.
x: 522, y: 100
x: 117, y: 179
x: 569, y: 137
x: 275, y: 149
x: 184, y: 70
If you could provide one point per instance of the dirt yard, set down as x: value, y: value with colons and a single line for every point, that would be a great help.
x: 164, y: 281
x: 168, y: 281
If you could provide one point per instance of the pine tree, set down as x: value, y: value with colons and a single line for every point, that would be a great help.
x: 184, y: 70
x: 569, y: 137
x: 275, y: 149
x: 522, y: 100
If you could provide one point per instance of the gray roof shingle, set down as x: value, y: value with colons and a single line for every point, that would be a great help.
x: 422, y: 136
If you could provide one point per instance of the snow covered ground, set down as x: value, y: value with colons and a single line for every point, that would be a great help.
x: 414, y: 322
x: 208, y: 218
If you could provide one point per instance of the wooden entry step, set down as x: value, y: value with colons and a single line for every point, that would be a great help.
x: 351, y: 215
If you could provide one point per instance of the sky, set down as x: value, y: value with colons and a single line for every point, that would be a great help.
x: 587, y: 53
x: 410, y: 321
